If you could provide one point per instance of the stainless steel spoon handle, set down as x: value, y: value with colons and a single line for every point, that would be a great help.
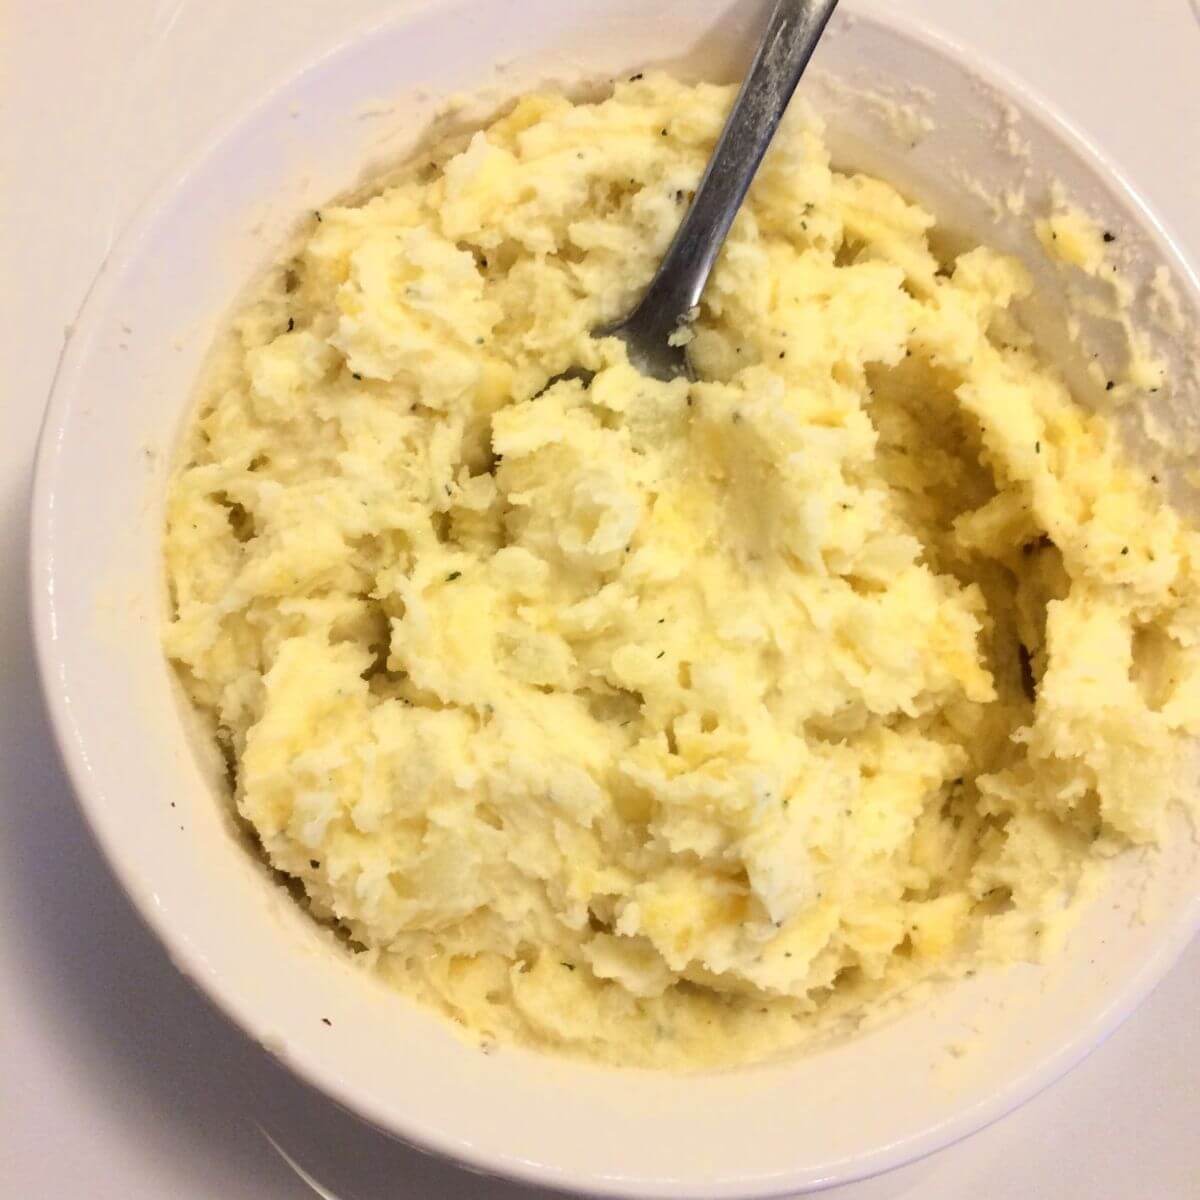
x: 790, y: 38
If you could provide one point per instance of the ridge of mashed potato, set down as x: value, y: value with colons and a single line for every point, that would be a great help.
x: 664, y: 723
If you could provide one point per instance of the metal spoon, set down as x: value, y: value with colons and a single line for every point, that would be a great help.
x: 671, y: 299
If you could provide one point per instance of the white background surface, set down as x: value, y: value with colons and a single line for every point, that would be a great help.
x: 116, y: 1078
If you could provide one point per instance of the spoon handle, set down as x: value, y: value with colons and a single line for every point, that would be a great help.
x: 790, y: 38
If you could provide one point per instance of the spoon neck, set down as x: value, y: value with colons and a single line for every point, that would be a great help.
x: 792, y: 33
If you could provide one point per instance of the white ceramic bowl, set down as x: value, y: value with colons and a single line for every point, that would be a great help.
x: 890, y: 1094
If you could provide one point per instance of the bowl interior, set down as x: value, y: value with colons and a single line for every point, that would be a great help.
x: 899, y: 102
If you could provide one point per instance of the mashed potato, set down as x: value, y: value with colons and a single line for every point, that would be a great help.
x: 664, y: 722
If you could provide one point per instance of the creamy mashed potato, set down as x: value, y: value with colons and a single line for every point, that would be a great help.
x: 664, y: 722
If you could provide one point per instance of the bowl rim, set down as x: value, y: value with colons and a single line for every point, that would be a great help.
x: 231, y: 998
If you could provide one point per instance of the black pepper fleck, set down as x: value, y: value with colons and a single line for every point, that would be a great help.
x: 326, y: 1021
x: 453, y: 576
x: 660, y: 654
x: 291, y: 324
x: 1124, y: 549
x: 314, y: 863
x: 1109, y: 237
x: 356, y: 375
x: 317, y: 214
x: 635, y: 78
x: 1108, y: 387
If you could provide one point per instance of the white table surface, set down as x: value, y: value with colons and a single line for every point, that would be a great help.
x: 116, y: 1078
